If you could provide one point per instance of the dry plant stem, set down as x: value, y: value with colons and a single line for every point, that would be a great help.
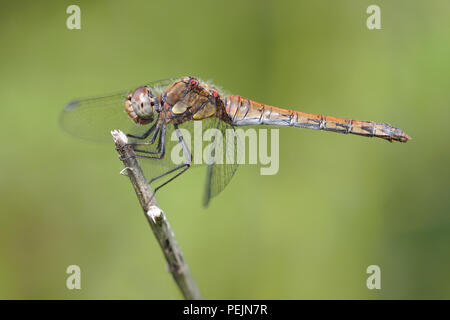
x: 156, y: 218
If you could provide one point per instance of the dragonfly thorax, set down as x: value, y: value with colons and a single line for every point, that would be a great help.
x: 141, y: 105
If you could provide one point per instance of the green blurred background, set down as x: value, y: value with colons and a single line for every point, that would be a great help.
x: 338, y: 204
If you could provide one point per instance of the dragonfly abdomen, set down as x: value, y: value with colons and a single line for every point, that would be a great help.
x: 247, y: 112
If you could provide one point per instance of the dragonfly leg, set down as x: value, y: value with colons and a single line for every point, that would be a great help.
x: 160, y: 149
x: 156, y: 129
x: 145, y: 134
x: 183, y: 167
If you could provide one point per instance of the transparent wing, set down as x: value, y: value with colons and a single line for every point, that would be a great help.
x: 93, y: 118
x: 225, y: 153
x: 211, y: 142
x: 173, y: 156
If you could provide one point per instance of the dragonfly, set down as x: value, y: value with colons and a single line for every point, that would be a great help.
x: 152, y: 113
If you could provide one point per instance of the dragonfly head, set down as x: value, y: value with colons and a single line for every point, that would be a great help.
x: 141, y: 105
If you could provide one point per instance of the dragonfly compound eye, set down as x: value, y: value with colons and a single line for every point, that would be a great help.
x: 140, y: 105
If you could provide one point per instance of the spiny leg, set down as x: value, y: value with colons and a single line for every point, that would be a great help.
x: 160, y: 150
x: 187, y: 154
x: 145, y: 134
x: 156, y: 129
x: 183, y: 167
x: 159, y: 147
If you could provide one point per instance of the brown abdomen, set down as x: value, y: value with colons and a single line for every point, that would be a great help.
x: 247, y: 112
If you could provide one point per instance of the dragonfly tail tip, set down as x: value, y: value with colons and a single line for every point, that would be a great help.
x: 407, y: 138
